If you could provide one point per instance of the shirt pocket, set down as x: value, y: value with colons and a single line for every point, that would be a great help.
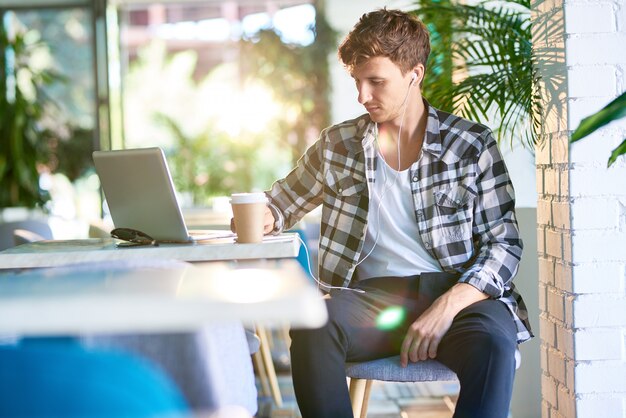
x: 454, y: 211
x: 343, y: 184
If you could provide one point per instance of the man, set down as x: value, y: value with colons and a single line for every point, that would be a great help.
x: 418, y: 214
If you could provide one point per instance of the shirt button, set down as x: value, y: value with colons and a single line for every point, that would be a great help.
x: 420, y: 213
x: 415, y: 179
x: 340, y: 190
x: 458, y: 201
x: 427, y: 244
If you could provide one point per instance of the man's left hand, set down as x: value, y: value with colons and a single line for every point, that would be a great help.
x: 425, y: 333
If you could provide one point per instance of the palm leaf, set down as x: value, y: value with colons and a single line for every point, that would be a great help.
x: 613, y: 111
x: 492, y: 55
x: 620, y: 150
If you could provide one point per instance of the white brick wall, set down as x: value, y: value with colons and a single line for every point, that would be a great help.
x: 581, y: 216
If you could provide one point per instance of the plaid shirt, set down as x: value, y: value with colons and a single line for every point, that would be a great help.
x: 463, y: 199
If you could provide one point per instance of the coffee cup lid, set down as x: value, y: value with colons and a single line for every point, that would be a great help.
x: 248, y: 198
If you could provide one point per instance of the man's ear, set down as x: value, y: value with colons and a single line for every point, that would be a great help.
x: 418, y: 74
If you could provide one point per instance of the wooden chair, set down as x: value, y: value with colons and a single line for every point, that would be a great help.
x: 389, y: 370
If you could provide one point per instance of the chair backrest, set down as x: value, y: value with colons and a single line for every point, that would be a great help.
x: 7, y: 230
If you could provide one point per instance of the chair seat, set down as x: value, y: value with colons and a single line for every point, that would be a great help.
x: 389, y: 369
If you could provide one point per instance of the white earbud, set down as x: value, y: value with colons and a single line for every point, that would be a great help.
x: 413, y: 78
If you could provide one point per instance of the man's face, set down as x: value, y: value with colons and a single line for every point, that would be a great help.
x: 382, y: 88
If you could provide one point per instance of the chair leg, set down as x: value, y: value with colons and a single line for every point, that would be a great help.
x: 366, y: 398
x: 269, y: 366
x: 258, y: 363
x: 358, y: 389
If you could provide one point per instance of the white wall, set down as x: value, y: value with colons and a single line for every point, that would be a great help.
x: 582, y: 217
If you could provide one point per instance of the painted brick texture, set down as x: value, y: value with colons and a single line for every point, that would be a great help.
x: 581, y: 213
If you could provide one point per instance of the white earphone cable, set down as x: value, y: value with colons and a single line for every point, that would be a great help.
x: 397, y: 174
x: 385, y: 189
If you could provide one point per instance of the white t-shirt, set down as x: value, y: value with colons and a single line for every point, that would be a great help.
x: 392, y: 230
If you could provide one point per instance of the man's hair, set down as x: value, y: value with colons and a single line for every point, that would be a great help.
x: 394, y: 34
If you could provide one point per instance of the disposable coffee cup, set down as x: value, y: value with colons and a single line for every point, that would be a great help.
x: 248, y: 214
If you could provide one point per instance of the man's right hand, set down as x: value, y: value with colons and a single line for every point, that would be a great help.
x: 268, y: 222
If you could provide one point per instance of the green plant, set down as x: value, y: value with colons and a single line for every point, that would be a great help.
x: 212, y: 163
x: 611, y: 112
x: 482, y: 63
x: 22, y: 107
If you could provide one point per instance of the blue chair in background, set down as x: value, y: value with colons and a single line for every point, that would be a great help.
x: 57, y: 377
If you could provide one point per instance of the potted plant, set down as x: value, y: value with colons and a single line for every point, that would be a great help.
x: 22, y: 107
x: 483, y: 65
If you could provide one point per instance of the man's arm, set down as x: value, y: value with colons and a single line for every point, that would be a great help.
x: 423, y: 336
x: 499, y: 251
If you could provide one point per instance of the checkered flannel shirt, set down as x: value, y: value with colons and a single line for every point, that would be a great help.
x: 463, y: 198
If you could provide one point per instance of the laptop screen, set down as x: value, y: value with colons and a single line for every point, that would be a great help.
x: 138, y: 188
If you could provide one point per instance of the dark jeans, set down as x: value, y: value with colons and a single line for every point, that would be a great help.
x: 479, y: 346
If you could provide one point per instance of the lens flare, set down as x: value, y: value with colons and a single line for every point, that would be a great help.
x: 390, y: 318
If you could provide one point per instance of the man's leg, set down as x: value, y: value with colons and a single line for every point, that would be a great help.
x: 480, y: 348
x: 318, y: 356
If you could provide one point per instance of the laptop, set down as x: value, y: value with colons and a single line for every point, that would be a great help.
x: 140, y: 193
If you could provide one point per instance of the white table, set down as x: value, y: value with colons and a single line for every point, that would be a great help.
x: 156, y: 297
x: 63, y: 252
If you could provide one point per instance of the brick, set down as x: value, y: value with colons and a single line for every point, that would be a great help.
x: 551, y: 181
x: 548, y: 390
x: 543, y: 357
x: 598, y: 277
x: 545, y: 409
x: 544, y: 211
x: 589, y: 18
x: 569, y: 374
x: 606, y: 406
x: 599, y: 311
x: 567, y: 402
x: 543, y: 304
x: 600, y: 212
x: 565, y: 342
x: 542, y: 151
x: 600, y: 377
x: 596, y: 246
x: 563, y: 277
x: 592, y: 81
x: 547, y: 331
x: 568, y: 303
x: 555, y: 304
x: 556, y: 366
x: 581, y: 50
x: 564, y: 188
x: 554, y: 243
x: 541, y: 240
x: 598, y: 344
x: 560, y: 148
x: 546, y: 268
x: 567, y: 247
x: 561, y: 214
x: 539, y: 180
